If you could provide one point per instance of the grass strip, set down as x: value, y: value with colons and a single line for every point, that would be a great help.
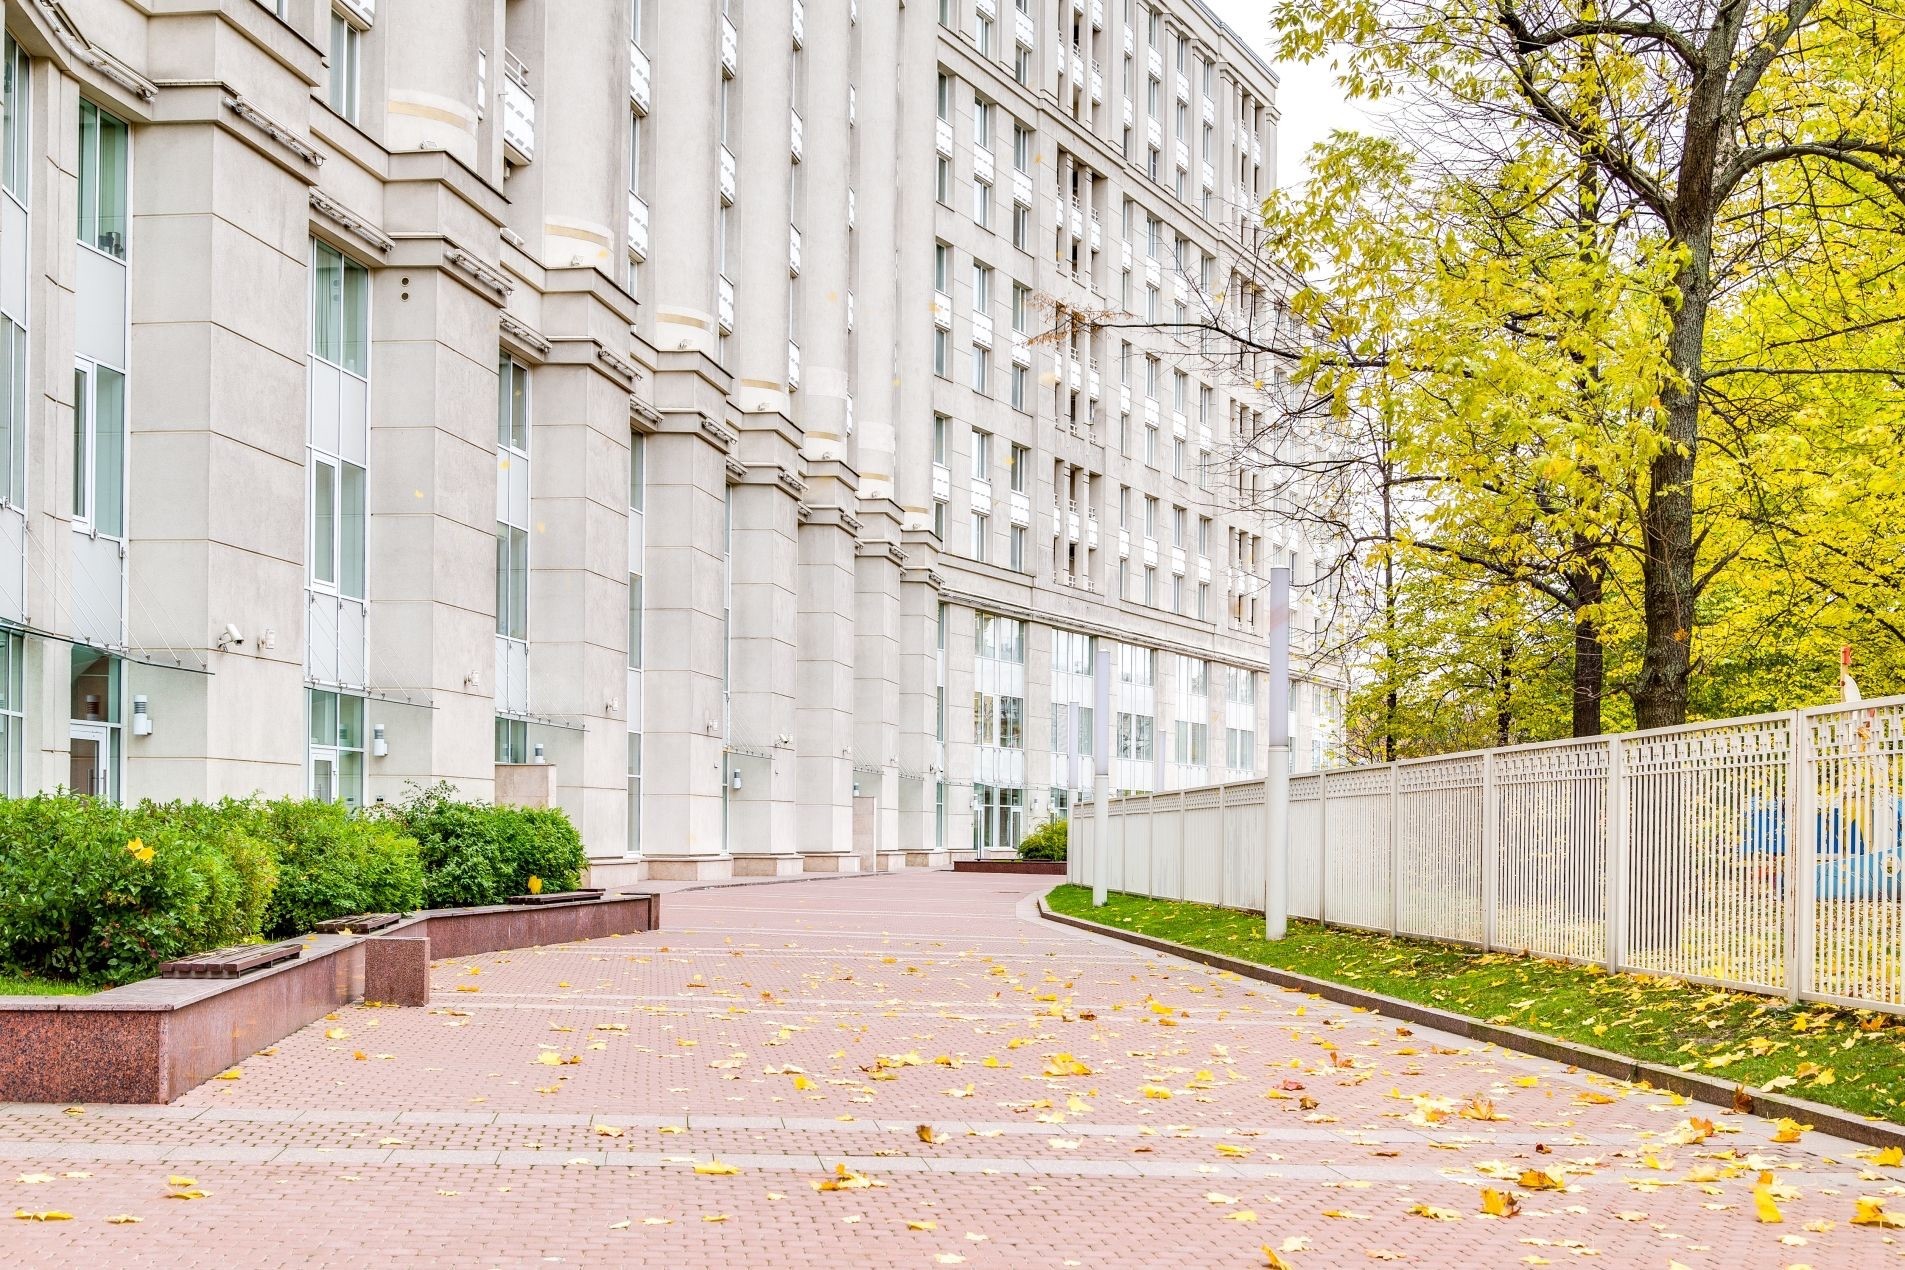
x: 15, y: 986
x: 1850, y: 1059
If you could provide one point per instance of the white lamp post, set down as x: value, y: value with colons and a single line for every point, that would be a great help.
x: 1276, y: 782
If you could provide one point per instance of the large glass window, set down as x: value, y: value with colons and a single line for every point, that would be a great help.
x: 12, y: 712
x: 337, y: 746
x: 347, y: 55
x: 634, y: 793
x: 340, y: 309
x: 512, y: 740
x: 14, y: 148
x: 512, y: 405
x: 337, y: 526
x: 512, y: 581
x: 13, y: 415
x: 104, y: 154
x: 99, y: 449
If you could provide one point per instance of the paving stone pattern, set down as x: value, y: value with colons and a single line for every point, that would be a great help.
x: 785, y: 1031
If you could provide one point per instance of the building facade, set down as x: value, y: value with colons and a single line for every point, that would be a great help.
x: 672, y: 409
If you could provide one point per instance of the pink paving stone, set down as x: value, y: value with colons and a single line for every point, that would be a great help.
x: 450, y: 1142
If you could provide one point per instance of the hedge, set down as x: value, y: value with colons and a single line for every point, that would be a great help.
x: 1047, y: 842
x: 96, y: 893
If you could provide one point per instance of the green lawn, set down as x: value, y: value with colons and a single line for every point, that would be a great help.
x: 1849, y: 1059
x: 12, y: 986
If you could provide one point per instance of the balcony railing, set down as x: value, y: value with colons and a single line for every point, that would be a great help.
x: 637, y: 227
x: 727, y: 176
x: 519, y: 110
x: 639, y: 77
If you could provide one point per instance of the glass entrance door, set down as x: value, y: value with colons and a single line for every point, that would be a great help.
x: 91, y: 774
x: 323, y: 774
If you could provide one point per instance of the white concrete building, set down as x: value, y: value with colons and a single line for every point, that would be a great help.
x: 632, y: 401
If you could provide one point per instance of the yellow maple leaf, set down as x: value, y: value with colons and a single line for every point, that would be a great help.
x: 51, y: 1214
x: 1789, y: 1130
x: 1155, y: 1091
x: 1763, y: 1206
x: 230, y: 1073
x: 609, y: 1130
x: 1887, y: 1157
x: 1536, y: 1180
x: 715, y: 1168
x: 1272, y: 1261
x: 1433, y: 1213
x: 1871, y: 1212
x: 1499, y: 1203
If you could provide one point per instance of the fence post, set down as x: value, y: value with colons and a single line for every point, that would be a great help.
x: 1619, y: 859
x: 1322, y: 847
x: 1491, y: 851
x: 1395, y: 850
x: 1101, y: 782
x: 1802, y: 905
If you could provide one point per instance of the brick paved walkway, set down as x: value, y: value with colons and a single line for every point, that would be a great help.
x: 1089, y: 1104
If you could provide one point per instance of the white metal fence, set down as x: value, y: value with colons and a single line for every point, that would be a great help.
x: 1764, y: 853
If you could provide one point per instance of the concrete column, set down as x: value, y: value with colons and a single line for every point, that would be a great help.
x: 876, y: 664
x: 824, y: 712
x: 827, y: 384
x: 762, y: 833
x: 880, y: 348
x: 919, y: 705
x: 683, y: 739
x: 913, y: 172
x: 570, y: 200
x: 578, y: 557
x: 760, y: 245
x: 959, y: 762
x: 419, y: 84
x: 687, y: 202
x: 208, y: 346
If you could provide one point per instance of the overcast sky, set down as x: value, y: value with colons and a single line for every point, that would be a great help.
x: 1309, y: 101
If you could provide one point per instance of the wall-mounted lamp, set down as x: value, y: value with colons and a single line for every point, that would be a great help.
x: 378, y: 745
x: 734, y: 780
x: 856, y: 789
x: 473, y: 681
x: 141, y: 719
x: 536, y: 756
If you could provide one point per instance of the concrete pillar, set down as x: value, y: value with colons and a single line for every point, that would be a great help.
x: 760, y: 243
x: 877, y: 296
x: 919, y: 705
x: 876, y: 667
x: 421, y: 93
x: 683, y: 739
x: 761, y: 813
x: 687, y: 201
x: 574, y: 192
x: 824, y: 724
x: 823, y: 404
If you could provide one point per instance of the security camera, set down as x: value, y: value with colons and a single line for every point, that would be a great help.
x: 230, y: 635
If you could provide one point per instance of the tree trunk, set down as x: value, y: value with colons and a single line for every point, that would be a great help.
x: 1590, y: 655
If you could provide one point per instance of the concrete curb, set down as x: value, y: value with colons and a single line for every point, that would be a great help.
x: 1707, y: 1089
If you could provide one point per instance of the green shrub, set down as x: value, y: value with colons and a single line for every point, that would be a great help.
x: 230, y: 829
x: 1047, y: 842
x: 98, y: 893
x: 474, y: 853
x: 333, y: 863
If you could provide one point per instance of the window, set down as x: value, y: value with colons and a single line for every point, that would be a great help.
x: 512, y: 581
x: 981, y: 287
x: 1203, y: 601
x: 981, y: 530
x: 347, y: 54
x: 104, y: 152
x: 99, y: 449
x: 981, y: 204
x: 999, y: 638
x: 942, y: 353
x: 1021, y: 227
x: 337, y: 527
x: 1016, y: 557
x: 634, y: 792
x: 981, y: 455
x: 12, y: 711
x: 14, y: 145
x: 13, y: 413
x: 1021, y: 149
x: 1021, y: 388
x: 981, y: 369
x: 1018, y: 465
x: 340, y: 309
x: 512, y: 740
x: 337, y: 746
x: 1150, y: 586
x: 1193, y: 743
x: 942, y: 180
x: 1203, y: 535
x: 942, y: 268
x: 1021, y: 307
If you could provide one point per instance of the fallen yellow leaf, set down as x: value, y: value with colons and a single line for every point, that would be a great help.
x: 715, y: 1168
x: 1499, y: 1203
x: 1871, y: 1212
